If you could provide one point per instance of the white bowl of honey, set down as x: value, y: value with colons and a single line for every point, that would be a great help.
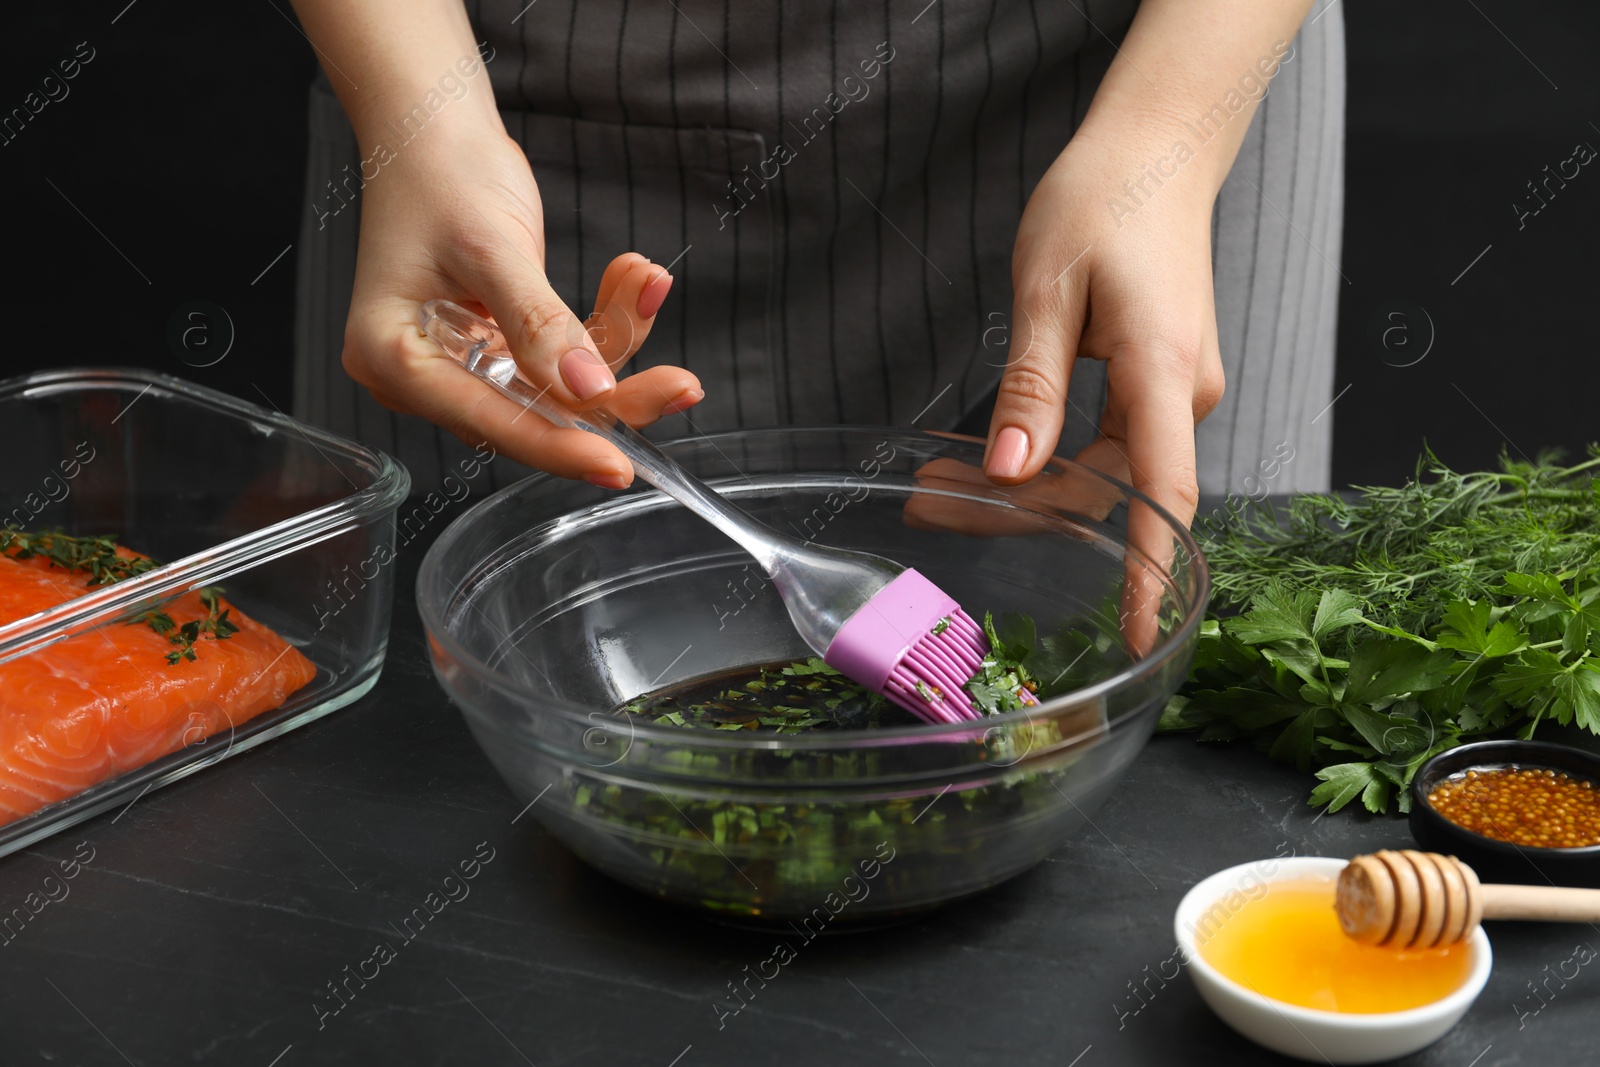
x: 1265, y: 949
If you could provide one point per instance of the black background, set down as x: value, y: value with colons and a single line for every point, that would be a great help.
x: 182, y: 143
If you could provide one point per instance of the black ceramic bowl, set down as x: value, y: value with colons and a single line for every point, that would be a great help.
x: 1501, y: 861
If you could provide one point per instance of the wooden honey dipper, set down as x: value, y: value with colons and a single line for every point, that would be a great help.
x: 1412, y: 899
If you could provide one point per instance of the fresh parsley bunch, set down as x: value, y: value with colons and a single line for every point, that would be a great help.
x: 1382, y: 630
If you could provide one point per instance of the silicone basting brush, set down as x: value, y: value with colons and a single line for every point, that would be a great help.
x: 882, y: 625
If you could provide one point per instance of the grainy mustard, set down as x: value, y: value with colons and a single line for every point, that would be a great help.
x: 1528, y: 806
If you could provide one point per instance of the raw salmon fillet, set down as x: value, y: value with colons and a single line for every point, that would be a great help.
x: 95, y: 705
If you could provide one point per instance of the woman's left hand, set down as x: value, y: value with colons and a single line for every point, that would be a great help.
x: 1120, y: 273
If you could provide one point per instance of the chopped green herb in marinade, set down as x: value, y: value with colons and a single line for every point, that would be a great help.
x: 780, y: 698
x: 808, y: 694
x: 789, y: 851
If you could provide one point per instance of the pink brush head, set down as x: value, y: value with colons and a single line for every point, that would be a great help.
x: 913, y: 643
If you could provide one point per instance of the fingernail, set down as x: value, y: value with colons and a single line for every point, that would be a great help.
x: 654, y: 295
x: 685, y: 400
x: 585, y: 374
x: 606, y: 481
x: 1009, y: 452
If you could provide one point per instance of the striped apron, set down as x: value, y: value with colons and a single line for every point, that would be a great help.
x: 837, y: 187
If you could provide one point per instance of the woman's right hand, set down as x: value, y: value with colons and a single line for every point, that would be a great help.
x: 456, y: 214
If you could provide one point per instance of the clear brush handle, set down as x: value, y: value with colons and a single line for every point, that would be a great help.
x: 478, y: 345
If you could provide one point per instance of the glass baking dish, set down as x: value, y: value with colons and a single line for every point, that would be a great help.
x: 295, y: 524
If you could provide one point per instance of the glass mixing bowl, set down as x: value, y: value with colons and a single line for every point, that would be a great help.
x: 551, y: 604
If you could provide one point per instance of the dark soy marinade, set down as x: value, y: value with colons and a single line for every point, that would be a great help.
x: 784, y: 698
x: 791, y: 698
x: 787, y: 853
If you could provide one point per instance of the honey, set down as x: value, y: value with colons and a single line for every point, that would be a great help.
x: 1283, y: 940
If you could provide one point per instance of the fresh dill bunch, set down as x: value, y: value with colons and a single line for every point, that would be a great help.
x: 1406, y: 552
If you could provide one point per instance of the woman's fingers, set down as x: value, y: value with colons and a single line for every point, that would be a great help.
x: 613, y: 274
x: 1148, y: 430
x: 963, y: 500
x: 476, y: 237
x: 551, y: 346
x: 1028, y: 412
x: 577, y: 360
x: 631, y: 292
x: 1209, y: 381
x: 652, y: 394
x: 1150, y: 417
x: 417, y: 378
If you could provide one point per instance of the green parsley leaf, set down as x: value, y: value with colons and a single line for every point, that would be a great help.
x: 1336, y: 610
x: 1342, y: 783
x: 1382, y: 668
x: 1275, y: 614
x: 1467, y: 629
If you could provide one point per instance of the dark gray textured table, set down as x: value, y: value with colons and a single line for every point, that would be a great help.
x: 213, y: 915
